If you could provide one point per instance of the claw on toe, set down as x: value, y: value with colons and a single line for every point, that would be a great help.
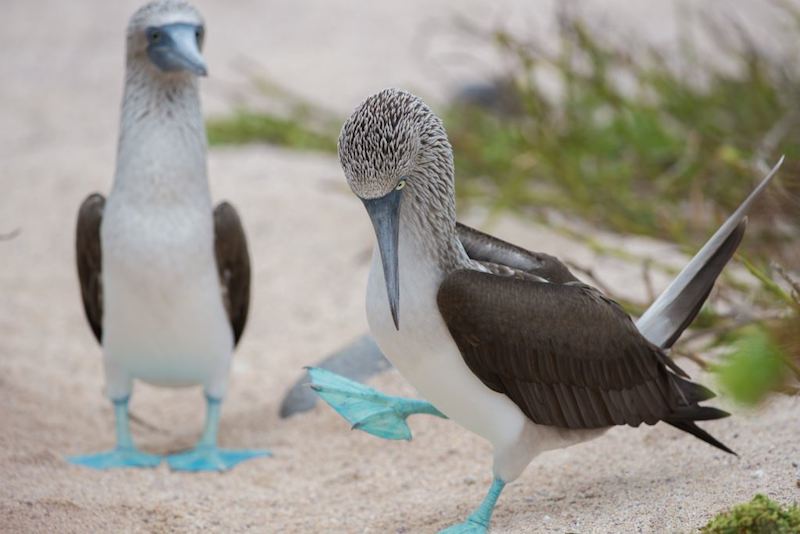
x: 212, y: 458
x: 116, y: 458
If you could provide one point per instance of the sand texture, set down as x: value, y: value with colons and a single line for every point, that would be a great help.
x: 61, y: 71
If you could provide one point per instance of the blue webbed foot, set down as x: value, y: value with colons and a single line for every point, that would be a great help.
x: 367, y: 409
x: 212, y: 458
x: 467, y: 527
x: 478, y: 521
x: 115, y: 458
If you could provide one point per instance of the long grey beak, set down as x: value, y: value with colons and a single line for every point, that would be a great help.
x: 178, y: 49
x: 384, y: 213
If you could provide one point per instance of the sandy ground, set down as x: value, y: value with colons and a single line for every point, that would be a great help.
x: 60, y: 63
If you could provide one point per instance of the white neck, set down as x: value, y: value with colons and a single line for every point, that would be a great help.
x: 161, y: 154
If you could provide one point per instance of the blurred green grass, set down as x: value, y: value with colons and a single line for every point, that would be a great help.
x: 666, y: 156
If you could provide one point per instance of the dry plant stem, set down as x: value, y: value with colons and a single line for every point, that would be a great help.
x: 648, y: 280
x: 789, y: 280
x: 696, y: 358
x: 717, y: 331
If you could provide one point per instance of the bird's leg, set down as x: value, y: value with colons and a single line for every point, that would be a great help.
x: 367, y: 409
x: 206, y: 455
x: 478, y: 521
x: 125, y: 454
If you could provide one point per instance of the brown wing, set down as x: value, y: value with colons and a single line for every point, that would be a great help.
x: 89, y: 256
x: 233, y: 264
x: 489, y: 249
x: 566, y: 355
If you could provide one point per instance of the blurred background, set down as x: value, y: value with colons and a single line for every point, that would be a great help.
x: 617, y: 135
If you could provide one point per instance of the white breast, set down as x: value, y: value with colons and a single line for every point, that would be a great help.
x: 163, y: 320
x: 426, y: 355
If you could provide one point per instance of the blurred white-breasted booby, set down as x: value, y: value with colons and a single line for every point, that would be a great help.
x: 506, y: 342
x: 165, y: 276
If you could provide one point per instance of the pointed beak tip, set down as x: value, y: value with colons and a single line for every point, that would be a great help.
x: 201, y: 70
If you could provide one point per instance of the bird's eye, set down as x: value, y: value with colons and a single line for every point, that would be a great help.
x: 198, y: 33
x: 400, y: 185
x: 154, y: 36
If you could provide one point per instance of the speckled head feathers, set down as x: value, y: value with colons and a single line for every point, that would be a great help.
x: 159, y: 13
x: 392, y: 135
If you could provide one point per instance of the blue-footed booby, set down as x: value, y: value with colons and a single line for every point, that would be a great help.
x: 165, y: 276
x: 505, y: 342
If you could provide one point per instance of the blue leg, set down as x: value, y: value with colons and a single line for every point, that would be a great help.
x: 125, y: 454
x: 206, y: 456
x: 367, y: 409
x: 478, y: 521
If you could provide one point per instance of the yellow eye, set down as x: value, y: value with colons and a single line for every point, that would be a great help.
x: 400, y: 185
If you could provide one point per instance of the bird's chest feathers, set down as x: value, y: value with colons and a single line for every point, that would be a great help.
x: 422, y: 331
x: 143, y: 243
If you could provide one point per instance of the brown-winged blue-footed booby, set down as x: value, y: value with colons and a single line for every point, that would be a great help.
x: 165, y: 276
x: 507, y: 343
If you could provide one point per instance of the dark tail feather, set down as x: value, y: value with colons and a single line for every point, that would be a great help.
x: 696, y: 431
x: 693, y: 392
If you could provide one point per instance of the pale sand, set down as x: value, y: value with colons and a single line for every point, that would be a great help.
x: 61, y: 70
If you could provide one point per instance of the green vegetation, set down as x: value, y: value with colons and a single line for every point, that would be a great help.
x: 759, y: 516
x: 639, y: 141
x: 246, y: 127
x: 301, y: 125
x: 603, y: 150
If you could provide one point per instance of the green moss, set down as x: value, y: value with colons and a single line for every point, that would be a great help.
x: 759, y: 516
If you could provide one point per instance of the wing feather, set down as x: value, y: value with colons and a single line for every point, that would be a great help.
x: 89, y: 258
x: 599, y: 373
x: 233, y: 265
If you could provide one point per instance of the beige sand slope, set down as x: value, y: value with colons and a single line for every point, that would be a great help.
x: 60, y: 66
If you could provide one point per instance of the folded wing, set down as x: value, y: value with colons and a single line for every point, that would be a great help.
x: 566, y: 355
x: 233, y: 265
x: 88, y: 255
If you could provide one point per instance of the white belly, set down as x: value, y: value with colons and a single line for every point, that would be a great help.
x: 426, y: 355
x: 163, y: 320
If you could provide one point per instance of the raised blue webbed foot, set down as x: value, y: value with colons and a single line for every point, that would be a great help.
x: 367, y: 409
x: 211, y: 458
x: 115, y: 458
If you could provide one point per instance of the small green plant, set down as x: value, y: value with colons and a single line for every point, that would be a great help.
x: 759, y: 516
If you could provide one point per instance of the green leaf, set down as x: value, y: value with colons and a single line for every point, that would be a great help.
x: 755, y: 368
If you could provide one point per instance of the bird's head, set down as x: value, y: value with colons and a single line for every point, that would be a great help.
x: 394, y: 150
x: 168, y: 35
